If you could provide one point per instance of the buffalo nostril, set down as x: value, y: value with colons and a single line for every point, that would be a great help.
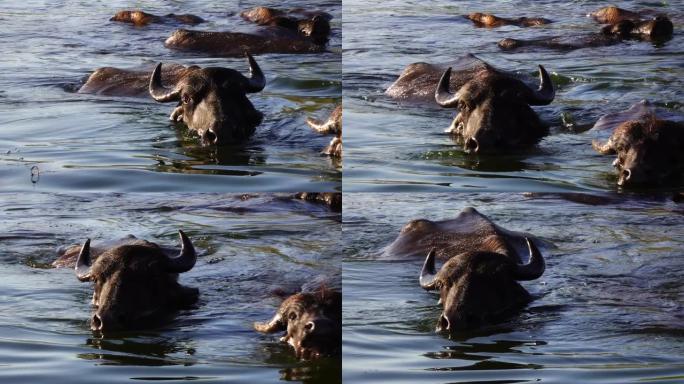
x: 444, y: 323
x: 310, y: 326
x: 626, y: 174
x: 210, y: 137
x: 96, y: 322
x: 471, y: 145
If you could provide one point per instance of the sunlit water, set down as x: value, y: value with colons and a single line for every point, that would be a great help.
x: 608, y: 309
x: 392, y: 146
x: 248, y: 248
x: 99, y: 143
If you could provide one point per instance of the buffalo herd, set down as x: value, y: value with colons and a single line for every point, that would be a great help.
x: 212, y: 101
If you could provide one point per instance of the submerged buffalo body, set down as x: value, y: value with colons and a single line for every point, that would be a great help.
x: 211, y: 101
x: 140, y: 18
x: 483, y: 263
x: 311, y: 24
x: 233, y: 44
x: 493, y: 106
x: 331, y: 126
x: 312, y: 323
x: 490, y: 21
x: 621, y: 25
x: 136, y: 281
x: 649, y: 150
x: 331, y: 199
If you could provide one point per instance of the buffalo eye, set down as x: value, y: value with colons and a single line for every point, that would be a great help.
x: 186, y: 98
x: 463, y: 106
x: 292, y: 316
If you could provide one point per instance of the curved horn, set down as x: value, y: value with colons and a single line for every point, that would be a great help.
x: 256, y: 81
x: 534, y: 267
x: 83, y: 263
x: 276, y: 324
x: 427, y: 274
x: 158, y: 91
x: 545, y: 94
x: 186, y: 258
x: 442, y: 95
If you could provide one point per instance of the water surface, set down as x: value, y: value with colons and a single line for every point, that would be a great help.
x: 608, y: 308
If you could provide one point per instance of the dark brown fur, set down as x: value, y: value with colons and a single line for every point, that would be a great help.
x: 234, y: 44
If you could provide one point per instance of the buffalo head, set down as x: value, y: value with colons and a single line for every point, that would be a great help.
x: 493, y: 110
x: 312, y: 321
x: 213, y: 101
x: 136, y: 285
x: 477, y: 287
x: 649, y: 151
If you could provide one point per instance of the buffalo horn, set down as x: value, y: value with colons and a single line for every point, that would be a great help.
x: 158, y: 91
x: 442, y: 95
x: 534, y: 267
x: 275, y: 325
x: 187, y: 257
x: 256, y: 81
x: 83, y: 262
x: 427, y: 274
x: 545, y: 94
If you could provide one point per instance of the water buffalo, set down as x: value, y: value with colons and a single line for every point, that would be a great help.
x: 613, y: 15
x: 478, y: 282
x: 312, y: 322
x: 312, y: 24
x: 493, y: 106
x: 490, y: 21
x: 332, y: 125
x: 267, y: 39
x: 140, y: 18
x: 136, y: 281
x: 211, y: 101
x: 649, y: 150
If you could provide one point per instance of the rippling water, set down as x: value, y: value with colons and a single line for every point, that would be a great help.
x: 89, y: 142
x: 608, y: 309
x: 398, y: 147
x: 248, y: 247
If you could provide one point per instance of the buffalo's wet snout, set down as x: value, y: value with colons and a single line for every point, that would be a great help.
x: 471, y: 145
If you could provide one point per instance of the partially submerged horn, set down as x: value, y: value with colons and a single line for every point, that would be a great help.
x: 186, y: 258
x: 83, y: 263
x: 428, y: 279
x: 442, y: 95
x: 256, y: 81
x: 276, y: 324
x: 545, y: 93
x: 158, y: 91
x: 534, y: 268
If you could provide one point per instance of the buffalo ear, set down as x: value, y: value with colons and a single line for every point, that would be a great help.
x: 276, y: 324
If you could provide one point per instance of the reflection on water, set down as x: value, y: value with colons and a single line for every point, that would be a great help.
x: 102, y: 143
x: 250, y: 248
x: 607, y: 309
x: 399, y: 146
